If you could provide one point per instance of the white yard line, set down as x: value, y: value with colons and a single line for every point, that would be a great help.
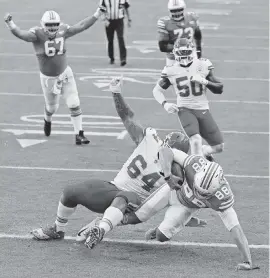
x: 131, y: 58
x: 86, y: 74
x: 138, y: 98
x: 143, y: 242
x: 103, y: 170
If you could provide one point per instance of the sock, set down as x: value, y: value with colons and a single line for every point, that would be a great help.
x: 207, y: 150
x: 76, y: 118
x: 112, y: 216
x: 63, y: 214
x: 47, y: 115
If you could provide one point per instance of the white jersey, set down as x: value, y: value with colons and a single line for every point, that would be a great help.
x: 141, y: 172
x: 189, y: 94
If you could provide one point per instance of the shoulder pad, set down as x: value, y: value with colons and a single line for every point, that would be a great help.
x: 166, y: 72
x: 162, y: 23
x: 34, y: 29
x: 207, y: 63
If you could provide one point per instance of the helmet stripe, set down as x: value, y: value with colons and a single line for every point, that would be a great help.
x: 211, y: 175
x: 210, y: 172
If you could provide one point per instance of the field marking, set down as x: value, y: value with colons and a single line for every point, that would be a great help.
x: 105, y: 170
x: 91, y: 74
x: 152, y: 44
x: 133, y: 58
x: 140, y: 98
x: 150, y: 243
x: 120, y: 136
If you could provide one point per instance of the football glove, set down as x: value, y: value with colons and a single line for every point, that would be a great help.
x: 198, y: 79
x: 170, y: 107
x: 7, y: 17
x: 246, y: 266
x: 116, y: 85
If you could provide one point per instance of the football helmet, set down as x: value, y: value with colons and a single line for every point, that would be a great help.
x: 50, y: 22
x: 176, y: 9
x: 183, y: 51
x: 208, y: 180
x: 177, y: 140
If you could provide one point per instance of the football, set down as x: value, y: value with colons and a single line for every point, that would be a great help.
x: 178, y: 171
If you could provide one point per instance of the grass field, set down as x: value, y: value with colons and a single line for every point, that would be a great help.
x: 34, y: 169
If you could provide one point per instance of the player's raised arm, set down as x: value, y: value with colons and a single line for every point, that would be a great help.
x: 135, y: 130
x: 27, y: 36
x: 230, y: 220
x: 85, y: 23
x: 158, y: 92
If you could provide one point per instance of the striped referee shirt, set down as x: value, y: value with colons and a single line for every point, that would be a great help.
x: 115, y: 9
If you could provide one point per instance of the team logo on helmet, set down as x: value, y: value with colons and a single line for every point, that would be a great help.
x: 208, y: 180
x: 177, y: 140
x: 183, y: 51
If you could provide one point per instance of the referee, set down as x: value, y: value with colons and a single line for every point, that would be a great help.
x: 114, y: 21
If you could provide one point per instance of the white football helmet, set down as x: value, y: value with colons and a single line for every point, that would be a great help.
x: 50, y: 22
x: 183, y: 51
x: 208, y: 180
x: 176, y: 9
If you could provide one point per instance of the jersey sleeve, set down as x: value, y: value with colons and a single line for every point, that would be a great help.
x: 222, y: 199
x: 34, y: 29
x: 165, y: 81
x: 161, y: 24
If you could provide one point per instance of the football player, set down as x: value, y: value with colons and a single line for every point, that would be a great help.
x: 49, y: 41
x: 139, y: 177
x: 179, y: 24
x: 190, y: 78
x: 204, y: 187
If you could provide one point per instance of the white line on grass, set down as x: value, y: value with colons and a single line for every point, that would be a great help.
x: 151, y: 243
x: 135, y: 58
x: 138, y: 98
x: 102, y: 170
x: 117, y: 73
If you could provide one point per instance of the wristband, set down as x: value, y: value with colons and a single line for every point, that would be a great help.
x: 164, y: 102
x: 97, y: 14
x: 11, y: 25
x: 167, y: 178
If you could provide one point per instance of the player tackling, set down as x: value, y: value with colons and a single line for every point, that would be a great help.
x: 190, y: 78
x: 49, y: 41
x: 138, y: 178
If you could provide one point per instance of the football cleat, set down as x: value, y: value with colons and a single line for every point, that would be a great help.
x: 47, y: 233
x: 47, y: 128
x: 84, y: 231
x: 151, y: 234
x: 95, y: 236
x: 81, y: 139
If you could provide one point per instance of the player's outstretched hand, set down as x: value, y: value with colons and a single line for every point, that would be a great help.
x: 100, y: 10
x: 199, y: 79
x: 171, y: 107
x: 116, y: 85
x: 246, y: 266
x: 7, y: 17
